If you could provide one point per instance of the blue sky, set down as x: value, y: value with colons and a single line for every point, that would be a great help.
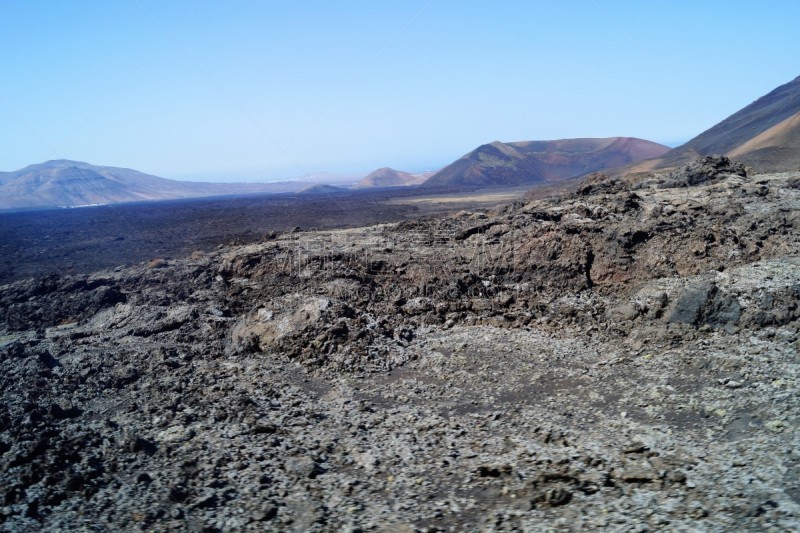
x: 264, y: 90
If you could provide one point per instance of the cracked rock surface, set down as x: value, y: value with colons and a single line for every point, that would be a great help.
x: 625, y: 357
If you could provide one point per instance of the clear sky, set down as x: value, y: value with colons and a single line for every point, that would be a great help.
x: 263, y: 90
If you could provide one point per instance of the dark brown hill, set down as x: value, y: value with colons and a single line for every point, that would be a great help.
x: 764, y: 135
x: 536, y: 162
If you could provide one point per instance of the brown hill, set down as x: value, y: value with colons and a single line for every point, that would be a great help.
x: 389, y: 177
x: 775, y: 149
x: 764, y: 135
x: 519, y: 163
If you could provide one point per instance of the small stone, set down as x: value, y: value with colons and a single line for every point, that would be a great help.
x: 776, y: 426
x: 207, y: 502
x: 635, y: 447
x: 638, y: 475
x: 624, y: 313
x: 263, y: 426
x: 140, y: 444
x: 65, y: 411
x: 302, y: 467
x: 367, y: 461
x: 553, y: 497
x: 266, y: 513
x: 176, y: 433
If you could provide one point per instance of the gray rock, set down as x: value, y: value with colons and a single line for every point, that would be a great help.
x: 302, y: 467
x: 703, y: 303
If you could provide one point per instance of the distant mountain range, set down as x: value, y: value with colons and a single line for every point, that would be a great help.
x: 532, y: 162
x: 764, y: 135
x: 63, y: 183
x: 389, y: 177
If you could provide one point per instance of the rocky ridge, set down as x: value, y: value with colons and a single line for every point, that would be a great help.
x: 622, y: 357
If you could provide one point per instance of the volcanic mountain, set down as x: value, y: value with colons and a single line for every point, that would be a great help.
x: 63, y: 183
x: 764, y: 135
x: 536, y: 162
x: 389, y: 177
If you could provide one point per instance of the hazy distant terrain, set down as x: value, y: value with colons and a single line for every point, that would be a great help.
x: 63, y: 183
x: 322, y: 189
x: 389, y: 177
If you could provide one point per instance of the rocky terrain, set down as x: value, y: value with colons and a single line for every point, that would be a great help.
x: 624, y: 357
x: 80, y: 241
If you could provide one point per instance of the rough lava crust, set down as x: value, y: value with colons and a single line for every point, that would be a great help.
x: 625, y: 357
